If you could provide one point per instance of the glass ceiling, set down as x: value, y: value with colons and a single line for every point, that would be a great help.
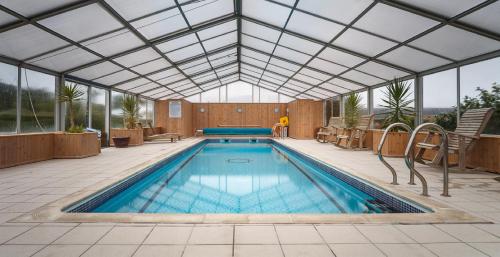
x: 314, y: 49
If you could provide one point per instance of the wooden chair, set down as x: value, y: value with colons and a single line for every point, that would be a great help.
x: 330, y: 130
x: 461, y: 141
x: 358, y: 133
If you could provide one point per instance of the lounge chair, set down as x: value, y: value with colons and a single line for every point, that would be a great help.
x: 462, y: 140
x: 156, y: 137
x: 330, y: 130
x: 358, y: 133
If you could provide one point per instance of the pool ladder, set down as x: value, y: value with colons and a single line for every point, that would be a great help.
x: 410, y: 156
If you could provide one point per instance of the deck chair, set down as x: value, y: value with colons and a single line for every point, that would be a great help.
x: 462, y: 140
x: 330, y: 130
x: 174, y: 137
x: 358, y: 133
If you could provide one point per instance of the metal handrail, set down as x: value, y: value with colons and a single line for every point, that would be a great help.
x: 410, y: 161
x: 381, y: 144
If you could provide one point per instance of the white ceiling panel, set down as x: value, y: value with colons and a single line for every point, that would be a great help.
x: 358, y: 41
x: 266, y: 11
x: 340, y: 57
x: 456, y: 43
x: 160, y: 24
x: 77, y: 24
x: 217, y: 30
x: 381, y: 71
x: 338, y: 10
x: 132, y: 9
x: 314, y: 27
x: 28, y: 41
x: 64, y: 59
x: 30, y: 8
x: 485, y: 18
x: 178, y: 43
x: 443, y: 7
x: 413, y: 59
x: 114, y: 43
x: 202, y: 11
x: 257, y: 30
x: 116, y: 78
x: 95, y: 71
x: 362, y: 78
x: 138, y: 57
x: 394, y: 23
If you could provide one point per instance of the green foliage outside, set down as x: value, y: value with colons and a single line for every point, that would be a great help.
x: 485, y: 99
x: 69, y: 94
x: 352, y: 110
x: 398, y: 103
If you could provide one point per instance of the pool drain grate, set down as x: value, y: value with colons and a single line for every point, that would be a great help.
x: 238, y: 160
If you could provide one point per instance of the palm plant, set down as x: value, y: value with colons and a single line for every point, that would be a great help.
x: 352, y: 110
x: 130, y: 108
x: 70, y: 93
x: 398, y: 103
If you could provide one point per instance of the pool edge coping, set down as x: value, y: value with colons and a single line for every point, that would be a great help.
x: 53, y: 212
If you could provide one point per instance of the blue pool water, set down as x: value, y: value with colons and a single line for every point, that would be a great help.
x: 247, y: 177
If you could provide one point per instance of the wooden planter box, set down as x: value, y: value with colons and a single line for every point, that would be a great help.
x: 395, y: 143
x: 76, y: 145
x: 136, y: 136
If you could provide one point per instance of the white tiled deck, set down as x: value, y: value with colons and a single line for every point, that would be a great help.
x: 25, y: 188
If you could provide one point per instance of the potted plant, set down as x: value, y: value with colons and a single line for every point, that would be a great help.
x: 74, y: 143
x: 352, y: 113
x: 352, y: 110
x: 130, y: 134
x: 398, y: 103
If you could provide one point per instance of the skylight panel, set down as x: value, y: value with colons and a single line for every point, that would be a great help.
x: 76, y: 24
x: 132, y: 9
x: 314, y: 27
x: 202, y: 11
x: 266, y: 11
x: 160, y: 24
x: 394, y: 23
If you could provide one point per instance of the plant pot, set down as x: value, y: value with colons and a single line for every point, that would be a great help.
x: 76, y: 145
x: 136, y: 135
x: 395, y: 143
x: 121, y: 142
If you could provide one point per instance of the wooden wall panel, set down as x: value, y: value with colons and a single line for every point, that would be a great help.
x: 183, y: 125
x: 216, y: 114
x: 136, y: 136
x: 306, y: 116
x: 21, y: 149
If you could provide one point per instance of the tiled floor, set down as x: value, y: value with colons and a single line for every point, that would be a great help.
x: 25, y: 188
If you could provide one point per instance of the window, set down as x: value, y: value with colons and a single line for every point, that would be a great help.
x: 116, y: 109
x: 174, y: 109
x: 285, y: 98
x: 223, y: 96
x: 8, y: 98
x: 193, y: 98
x: 239, y: 92
x: 336, y: 106
x: 267, y: 96
x: 150, y: 114
x: 256, y: 94
x: 364, y: 102
x: 98, y: 104
x: 210, y: 96
x: 327, y: 105
x: 80, y: 108
x: 37, y: 101
x: 379, y: 108
x: 440, y: 98
x: 480, y: 88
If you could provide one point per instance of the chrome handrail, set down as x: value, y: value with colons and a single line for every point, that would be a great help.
x: 410, y: 161
x: 381, y: 144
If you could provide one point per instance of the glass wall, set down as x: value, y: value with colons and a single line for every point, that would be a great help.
x: 328, y: 105
x: 116, y: 109
x: 98, y: 105
x: 37, y: 101
x: 480, y: 88
x: 336, y: 106
x: 380, y: 108
x: 80, y: 108
x: 8, y: 98
x: 146, y: 112
x: 210, y: 96
x: 268, y: 96
x: 364, y: 102
x: 239, y: 93
x: 440, y: 98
